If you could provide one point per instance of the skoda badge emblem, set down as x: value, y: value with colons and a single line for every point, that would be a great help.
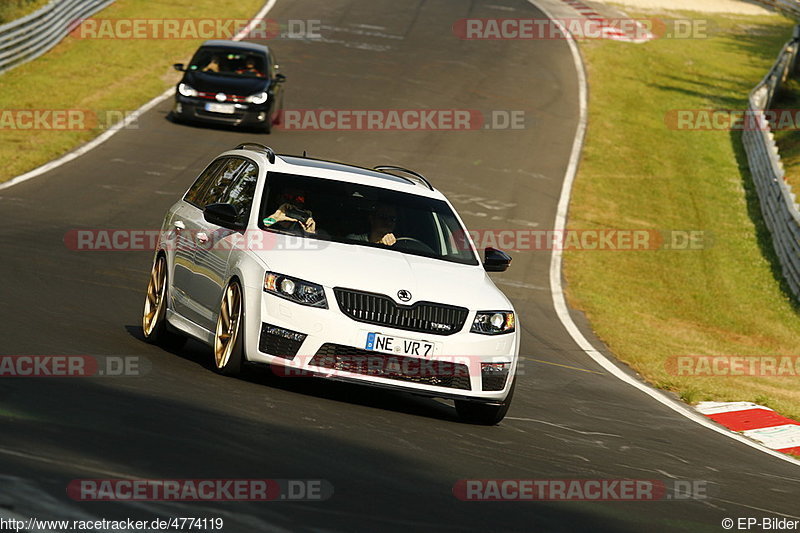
x: 404, y: 295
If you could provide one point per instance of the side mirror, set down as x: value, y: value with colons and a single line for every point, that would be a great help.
x: 496, y: 260
x: 224, y: 215
x: 179, y: 67
x: 280, y: 78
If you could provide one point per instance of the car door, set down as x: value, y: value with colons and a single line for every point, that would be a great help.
x: 235, y: 184
x: 181, y: 230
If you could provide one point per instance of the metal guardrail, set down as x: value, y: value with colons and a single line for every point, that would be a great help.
x: 778, y: 206
x: 27, y: 38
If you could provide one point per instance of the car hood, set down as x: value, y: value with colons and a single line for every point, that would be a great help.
x: 215, y: 83
x: 385, y: 272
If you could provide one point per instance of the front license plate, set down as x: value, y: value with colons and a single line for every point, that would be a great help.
x: 398, y: 345
x: 227, y: 109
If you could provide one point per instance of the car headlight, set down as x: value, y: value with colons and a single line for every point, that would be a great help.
x: 257, y: 99
x: 295, y: 290
x: 493, y: 322
x: 185, y: 90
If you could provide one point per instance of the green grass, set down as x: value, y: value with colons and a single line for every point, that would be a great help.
x: 788, y: 98
x: 14, y: 9
x: 104, y: 76
x: 726, y: 299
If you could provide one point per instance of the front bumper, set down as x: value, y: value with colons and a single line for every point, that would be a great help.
x: 299, y: 340
x: 194, y: 110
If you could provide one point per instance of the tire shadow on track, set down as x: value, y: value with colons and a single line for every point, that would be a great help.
x: 316, y: 387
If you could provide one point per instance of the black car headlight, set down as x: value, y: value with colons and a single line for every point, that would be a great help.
x: 185, y: 90
x: 493, y: 322
x: 258, y: 99
x: 295, y: 290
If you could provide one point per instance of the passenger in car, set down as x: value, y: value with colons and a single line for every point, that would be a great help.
x: 292, y: 211
x: 382, y: 222
x: 250, y: 68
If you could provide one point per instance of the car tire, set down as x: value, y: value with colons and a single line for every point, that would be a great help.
x: 485, y: 414
x: 154, y: 317
x: 229, y: 332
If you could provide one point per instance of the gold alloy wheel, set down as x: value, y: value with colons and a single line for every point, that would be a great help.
x: 227, y: 325
x: 154, y: 303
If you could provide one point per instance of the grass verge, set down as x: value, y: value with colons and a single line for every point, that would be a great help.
x: 788, y: 97
x: 107, y: 77
x: 637, y: 173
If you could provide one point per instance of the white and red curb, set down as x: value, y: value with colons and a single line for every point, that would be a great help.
x: 614, y: 34
x: 756, y: 422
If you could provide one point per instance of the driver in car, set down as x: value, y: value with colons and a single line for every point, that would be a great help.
x: 292, y: 211
x: 382, y: 222
x: 213, y: 65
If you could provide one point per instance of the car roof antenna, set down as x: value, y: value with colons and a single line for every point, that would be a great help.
x: 305, y: 154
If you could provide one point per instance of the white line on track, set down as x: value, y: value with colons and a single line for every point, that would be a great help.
x: 559, y: 301
x: 113, y: 130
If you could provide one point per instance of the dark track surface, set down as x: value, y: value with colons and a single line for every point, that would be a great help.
x: 392, y: 458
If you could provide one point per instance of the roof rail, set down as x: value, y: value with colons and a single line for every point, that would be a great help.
x: 419, y: 178
x: 258, y: 147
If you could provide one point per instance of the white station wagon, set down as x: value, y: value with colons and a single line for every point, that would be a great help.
x: 326, y: 269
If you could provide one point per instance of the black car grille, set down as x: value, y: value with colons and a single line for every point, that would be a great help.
x: 424, y: 317
x: 389, y: 366
x: 280, y: 342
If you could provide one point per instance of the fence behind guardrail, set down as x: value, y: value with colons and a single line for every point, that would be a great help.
x: 29, y: 37
x: 777, y: 200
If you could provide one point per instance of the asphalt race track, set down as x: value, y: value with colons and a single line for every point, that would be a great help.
x: 392, y: 458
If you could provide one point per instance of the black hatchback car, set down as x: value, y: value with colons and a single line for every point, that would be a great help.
x: 232, y: 83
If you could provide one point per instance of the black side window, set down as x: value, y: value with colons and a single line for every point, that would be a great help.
x: 242, y: 191
x: 224, y: 178
x: 201, y: 184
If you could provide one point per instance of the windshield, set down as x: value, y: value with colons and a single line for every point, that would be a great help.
x: 228, y: 62
x: 362, y: 215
